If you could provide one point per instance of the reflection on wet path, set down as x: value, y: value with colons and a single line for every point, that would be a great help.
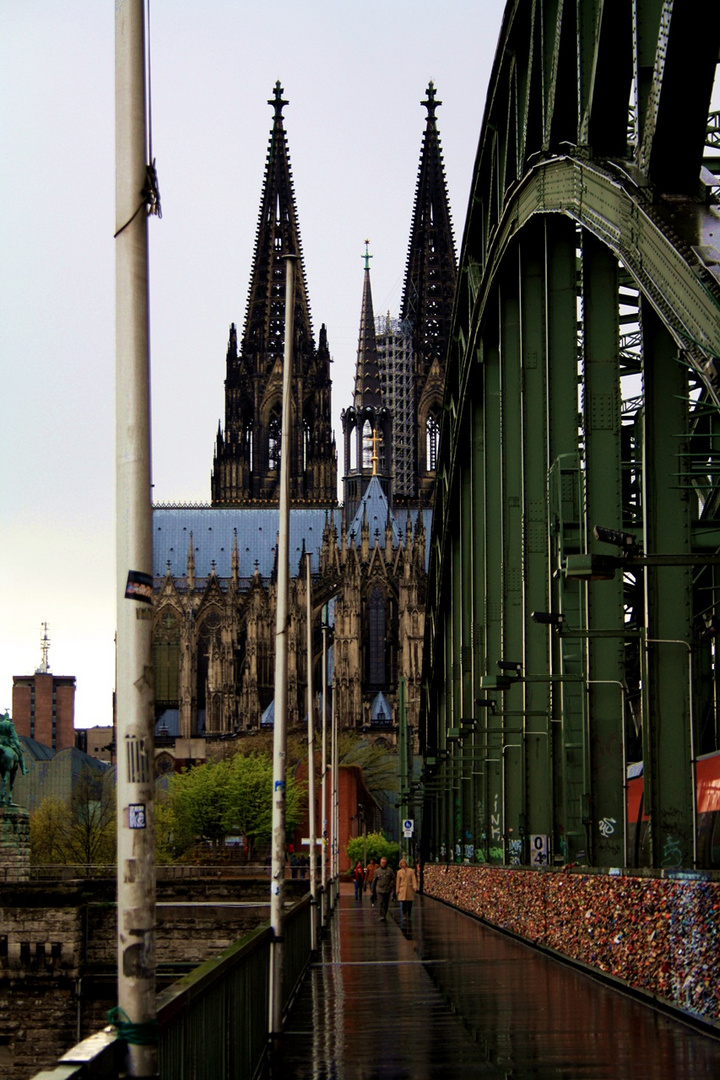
x: 452, y: 998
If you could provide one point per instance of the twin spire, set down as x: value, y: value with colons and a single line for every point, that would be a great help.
x: 399, y: 373
x: 246, y: 468
x: 247, y: 454
x: 431, y: 271
x: 278, y: 234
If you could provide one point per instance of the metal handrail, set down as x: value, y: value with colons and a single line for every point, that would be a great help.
x: 217, y: 1014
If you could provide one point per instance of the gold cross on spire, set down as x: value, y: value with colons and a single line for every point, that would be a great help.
x: 375, y: 438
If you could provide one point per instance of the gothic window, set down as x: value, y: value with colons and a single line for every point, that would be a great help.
x: 307, y: 442
x: 274, y: 432
x: 352, y: 439
x: 206, y: 637
x: 265, y: 674
x: 166, y: 650
x: 432, y: 437
x: 248, y: 442
x: 376, y: 637
x: 367, y: 446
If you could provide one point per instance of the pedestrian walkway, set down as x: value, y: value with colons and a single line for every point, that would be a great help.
x: 450, y: 998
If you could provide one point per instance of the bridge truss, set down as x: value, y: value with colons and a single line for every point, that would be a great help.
x: 583, y: 386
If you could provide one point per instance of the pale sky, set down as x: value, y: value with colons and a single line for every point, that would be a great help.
x: 354, y: 75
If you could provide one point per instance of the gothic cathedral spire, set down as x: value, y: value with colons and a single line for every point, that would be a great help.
x: 247, y: 455
x: 367, y: 433
x: 428, y: 294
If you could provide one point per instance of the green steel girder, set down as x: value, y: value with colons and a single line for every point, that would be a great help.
x: 587, y: 263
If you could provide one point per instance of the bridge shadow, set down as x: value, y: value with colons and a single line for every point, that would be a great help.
x: 447, y: 997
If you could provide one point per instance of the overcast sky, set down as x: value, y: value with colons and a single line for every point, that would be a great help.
x: 354, y: 75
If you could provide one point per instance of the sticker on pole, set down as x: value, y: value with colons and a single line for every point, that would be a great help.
x: 136, y: 816
x: 139, y: 587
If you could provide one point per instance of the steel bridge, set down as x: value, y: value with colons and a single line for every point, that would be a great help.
x: 574, y: 589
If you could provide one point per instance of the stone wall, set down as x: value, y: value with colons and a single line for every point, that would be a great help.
x: 658, y: 936
x: 15, y: 843
x: 58, y: 955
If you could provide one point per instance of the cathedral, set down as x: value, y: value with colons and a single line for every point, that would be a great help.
x: 215, y: 566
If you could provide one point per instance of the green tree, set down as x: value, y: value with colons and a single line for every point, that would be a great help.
x: 197, y: 800
x: 233, y: 795
x: 81, y: 830
x: 91, y: 837
x: 377, y: 847
x: 49, y: 826
x: 250, y: 802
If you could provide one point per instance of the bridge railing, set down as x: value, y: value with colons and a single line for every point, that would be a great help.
x: 213, y: 1022
x: 171, y: 872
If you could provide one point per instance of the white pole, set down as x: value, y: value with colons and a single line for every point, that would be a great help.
x: 324, y: 807
x: 336, y: 795
x: 277, y: 886
x: 311, y: 766
x: 135, y: 743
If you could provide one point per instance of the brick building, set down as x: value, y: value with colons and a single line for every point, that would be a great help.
x: 43, y: 708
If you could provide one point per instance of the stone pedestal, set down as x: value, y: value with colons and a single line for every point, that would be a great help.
x: 14, y: 843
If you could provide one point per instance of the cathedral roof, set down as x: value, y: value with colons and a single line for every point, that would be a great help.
x: 374, y: 510
x: 213, y: 531
x: 380, y: 710
x: 431, y: 271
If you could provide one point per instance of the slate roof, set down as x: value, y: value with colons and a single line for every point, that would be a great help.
x: 374, y: 503
x: 213, y: 529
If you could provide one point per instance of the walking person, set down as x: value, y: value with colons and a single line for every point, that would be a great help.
x: 369, y: 875
x: 384, y: 886
x: 358, y: 879
x: 405, y: 889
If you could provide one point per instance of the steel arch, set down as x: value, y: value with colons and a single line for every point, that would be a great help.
x: 582, y: 390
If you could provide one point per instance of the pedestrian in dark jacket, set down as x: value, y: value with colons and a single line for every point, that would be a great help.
x: 384, y: 886
x: 358, y: 879
x: 369, y: 875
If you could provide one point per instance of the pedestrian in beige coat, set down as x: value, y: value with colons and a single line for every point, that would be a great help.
x: 405, y: 889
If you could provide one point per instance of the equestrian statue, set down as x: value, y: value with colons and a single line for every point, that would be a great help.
x: 11, y: 759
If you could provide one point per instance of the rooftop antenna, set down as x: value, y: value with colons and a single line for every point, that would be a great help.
x: 45, y: 649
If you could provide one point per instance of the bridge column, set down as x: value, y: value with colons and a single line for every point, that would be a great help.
x: 603, y: 493
x: 565, y: 660
x: 467, y: 703
x: 511, y: 745
x: 536, y: 533
x: 493, y: 579
x: 479, y: 525
x: 667, y: 720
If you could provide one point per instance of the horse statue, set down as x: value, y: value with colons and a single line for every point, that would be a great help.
x: 11, y: 759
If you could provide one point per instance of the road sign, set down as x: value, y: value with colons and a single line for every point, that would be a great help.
x: 408, y: 827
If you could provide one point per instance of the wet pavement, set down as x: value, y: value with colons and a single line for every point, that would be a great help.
x: 450, y: 998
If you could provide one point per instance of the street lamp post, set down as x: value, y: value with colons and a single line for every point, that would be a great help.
x: 277, y: 886
x: 134, y: 677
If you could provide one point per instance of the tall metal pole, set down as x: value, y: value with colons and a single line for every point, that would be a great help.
x: 311, y: 765
x: 135, y: 743
x: 403, y: 762
x: 324, y: 806
x: 336, y: 797
x: 277, y: 887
